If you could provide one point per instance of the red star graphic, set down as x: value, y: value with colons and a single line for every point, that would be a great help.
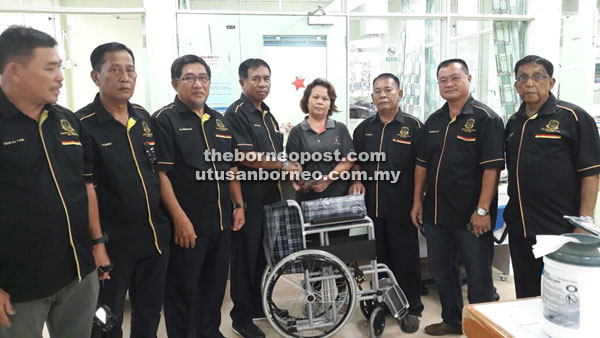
x: 299, y: 83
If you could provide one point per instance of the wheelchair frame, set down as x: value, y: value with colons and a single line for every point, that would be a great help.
x: 388, y: 298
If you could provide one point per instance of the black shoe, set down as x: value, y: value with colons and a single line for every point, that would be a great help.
x: 442, y: 329
x: 410, y: 323
x: 248, y: 331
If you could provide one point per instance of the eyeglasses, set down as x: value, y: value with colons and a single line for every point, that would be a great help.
x: 454, y: 79
x: 536, y: 78
x: 191, y: 79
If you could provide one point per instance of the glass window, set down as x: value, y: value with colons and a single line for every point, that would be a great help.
x: 464, y: 7
x: 490, y: 48
x: 400, y: 6
x: 304, y: 6
x: 406, y: 48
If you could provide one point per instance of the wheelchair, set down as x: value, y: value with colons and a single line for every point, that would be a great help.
x: 311, y: 291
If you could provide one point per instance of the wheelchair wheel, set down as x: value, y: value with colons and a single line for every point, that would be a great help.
x: 377, y: 321
x: 310, y: 293
x: 264, y: 277
x: 366, y: 307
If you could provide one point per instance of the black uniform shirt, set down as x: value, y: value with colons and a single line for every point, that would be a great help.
x: 398, y: 140
x: 44, y: 233
x: 334, y: 138
x: 181, y: 141
x: 455, y: 152
x: 120, y: 161
x: 547, y: 155
x: 255, y: 130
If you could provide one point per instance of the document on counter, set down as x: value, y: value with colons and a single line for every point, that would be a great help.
x: 521, y: 318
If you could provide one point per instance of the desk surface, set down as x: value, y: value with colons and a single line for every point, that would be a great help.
x: 517, y: 318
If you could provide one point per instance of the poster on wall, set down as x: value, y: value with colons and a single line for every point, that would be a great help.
x: 221, y: 87
x: 295, y: 62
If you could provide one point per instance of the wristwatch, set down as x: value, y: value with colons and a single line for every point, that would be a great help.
x: 103, y: 239
x: 284, y: 164
x: 240, y: 205
x: 482, y: 212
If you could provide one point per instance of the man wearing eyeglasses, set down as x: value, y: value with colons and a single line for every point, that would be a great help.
x: 553, y: 160
x: 197, y: 191
x: 458, y: 162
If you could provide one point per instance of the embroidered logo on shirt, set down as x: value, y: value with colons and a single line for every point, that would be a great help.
x: 552, y: 126
x: 469, y: 126
x: 11, y: 142
x: 404, y: 132
x: 221, y: 126
x: 68, y: 129
x: 147, y: 130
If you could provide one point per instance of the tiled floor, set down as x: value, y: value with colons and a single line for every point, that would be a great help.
x: 358, y: 326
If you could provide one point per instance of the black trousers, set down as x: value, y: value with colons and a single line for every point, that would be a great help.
x: 398, y: 247
x: 145, y: 280
x: 247, y: 265
x: 444, y: 243
x: 527, y: 269
x: 195, y: 287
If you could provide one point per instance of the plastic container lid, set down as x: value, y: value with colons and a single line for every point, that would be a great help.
x: 585, y: 253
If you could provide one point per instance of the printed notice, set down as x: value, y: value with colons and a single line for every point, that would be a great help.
x: 561, y: 300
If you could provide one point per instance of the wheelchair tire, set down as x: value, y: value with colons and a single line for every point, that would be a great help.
x: 367, y: 307
x: 319, y: 308
x: 377, y: 321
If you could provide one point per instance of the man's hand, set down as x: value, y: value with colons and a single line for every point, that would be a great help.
x: 5, y: 309
x: 101, y: 259
x: 185, y: 236
x: 239, y: 218
x: 321, y: 185
x: 481, y: 224
x: 292, y: 166
x: 356, y: 188
x: 416, y: 214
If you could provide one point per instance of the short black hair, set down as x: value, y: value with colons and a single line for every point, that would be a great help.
x: 330, y: 91
x: 251, y: 64
x: 97, y: 58
x: 181, y: 61
x: 387, y: 76
x: 446, y: 63
x: 537, y: 59
x: 18, y: 42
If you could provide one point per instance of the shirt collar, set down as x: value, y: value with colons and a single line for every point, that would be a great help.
x: 102, y: 115
x: 8, y: 110
x: 546, y: 109
x: 329, y: 124
x: 248, y: 106
x: 399, y: 117
x: 467, y: 108
x: 183, y: 109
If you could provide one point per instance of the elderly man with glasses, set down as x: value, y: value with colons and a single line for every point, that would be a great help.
x: 553, y: 160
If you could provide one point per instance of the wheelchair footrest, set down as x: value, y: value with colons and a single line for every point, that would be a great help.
x: 394, y: 298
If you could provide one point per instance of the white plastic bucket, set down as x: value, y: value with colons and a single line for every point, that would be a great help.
x: 571, y: 290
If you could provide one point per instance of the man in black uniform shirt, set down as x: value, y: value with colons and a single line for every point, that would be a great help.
x: 553, y: 159
x: 255, y: 131
x: 393, y: 133
x: 458, y: 165
x: 118, y: 145
x: 46, y: 264
x: 201, y: 209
